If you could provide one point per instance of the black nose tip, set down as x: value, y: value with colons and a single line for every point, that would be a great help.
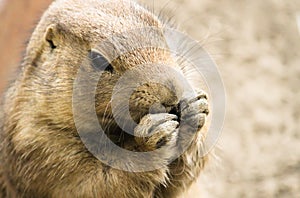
x: 176, y: 110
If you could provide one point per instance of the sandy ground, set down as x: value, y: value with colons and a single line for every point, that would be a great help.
x: 257, y: 47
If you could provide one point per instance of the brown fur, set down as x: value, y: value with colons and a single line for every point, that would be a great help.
x: 41, y: 153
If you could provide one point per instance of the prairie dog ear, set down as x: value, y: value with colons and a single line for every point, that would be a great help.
x: 52, y: 36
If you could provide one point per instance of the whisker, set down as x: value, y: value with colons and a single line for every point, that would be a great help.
x: 105, y: 111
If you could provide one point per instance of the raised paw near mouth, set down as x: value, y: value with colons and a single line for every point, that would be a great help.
x: 156, y: 131
x: 194, y: 110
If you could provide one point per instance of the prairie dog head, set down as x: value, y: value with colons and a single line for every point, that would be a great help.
x: 87, y: 35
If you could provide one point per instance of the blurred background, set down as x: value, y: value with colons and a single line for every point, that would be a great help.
x: 256, y: 45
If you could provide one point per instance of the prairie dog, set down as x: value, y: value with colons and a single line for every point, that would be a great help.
x: 42, y: 154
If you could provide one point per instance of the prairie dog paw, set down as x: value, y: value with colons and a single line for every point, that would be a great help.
x: 194, y: 110
x: 157, y: 130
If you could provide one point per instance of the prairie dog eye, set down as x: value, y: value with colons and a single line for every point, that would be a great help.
x: 100, y: 63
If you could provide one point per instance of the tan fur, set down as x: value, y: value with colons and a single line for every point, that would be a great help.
x: 41, y: 153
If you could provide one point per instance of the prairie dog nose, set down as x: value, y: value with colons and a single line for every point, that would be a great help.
x: 154, y: 95
x: 152, y: 98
